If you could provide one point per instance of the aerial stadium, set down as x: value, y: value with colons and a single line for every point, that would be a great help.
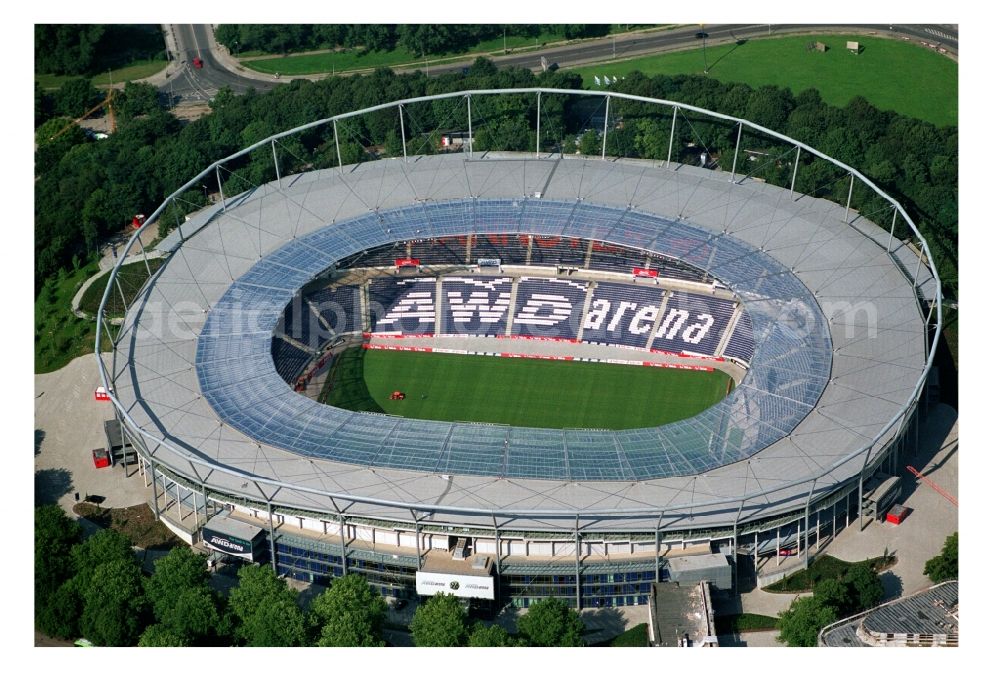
x: 510, y: 375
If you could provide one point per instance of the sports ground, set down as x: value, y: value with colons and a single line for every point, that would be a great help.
x: 837, y: 74
x: 522, y: 392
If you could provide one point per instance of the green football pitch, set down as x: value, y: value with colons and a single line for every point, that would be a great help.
x: 523, y: 392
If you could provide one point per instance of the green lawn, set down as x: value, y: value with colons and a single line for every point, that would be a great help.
x: 743, y: 623
x: 60, y: 336
x: 326, y: 62
x: 131, y: 277
x: 636, y: 637
x: 892, y: 74
x: 524, y: 392
x: 137, y: 70
x: 823, y: 568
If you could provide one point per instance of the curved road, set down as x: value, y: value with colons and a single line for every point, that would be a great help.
x: 189, y: 84
x: 185, y: 42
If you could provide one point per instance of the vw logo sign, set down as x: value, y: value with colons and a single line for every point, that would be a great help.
x: 454, y: 585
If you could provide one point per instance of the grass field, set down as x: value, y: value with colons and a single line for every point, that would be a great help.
x: 823, y: 568
x: 61, y: 336
x: 131, y: 278
x: 892, y: 74
x: 744, y: 623
x: 636, y: 637
x: 523, y: 392
x: 137, y: 70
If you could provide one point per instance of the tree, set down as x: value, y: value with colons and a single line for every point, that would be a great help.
x: 181, y: 599
x: 265, y: 609
x: 54, y: 139
x: 56, y: 604
x: 439, y: 621
x: 43, y: 105
x: 114, y: 605
x: 801, y: 623
x: 837, y: 595
x: 482, y: 67
x: 194, y: 616
x: 58, y: 613
x: 865, y: 587
x: 160, y: 636
x: 180, y: 570
x: 279, y: 624
x: 550, y: 622
x: 75, y: 97
x: 137, y: 98
x: 349, y: 613
x: 944, y: 566
x: 104, y: 546
x: 590, y: 143
x: 55, y: 536
x: 493, y: 636
x: 66, y: 49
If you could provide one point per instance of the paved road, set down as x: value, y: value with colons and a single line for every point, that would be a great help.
x: 189, y: 84
x: 186, y: 84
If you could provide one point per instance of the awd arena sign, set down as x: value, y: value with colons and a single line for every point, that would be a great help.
x: 227, y: 543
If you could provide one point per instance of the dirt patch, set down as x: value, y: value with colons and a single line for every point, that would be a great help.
x: 191, y: 111
x: 137, y: 523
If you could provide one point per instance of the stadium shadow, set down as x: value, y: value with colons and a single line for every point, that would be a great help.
x: 603, y: 624
x: 347, y: 388
x: 934, y: 429
x: 52, y: 484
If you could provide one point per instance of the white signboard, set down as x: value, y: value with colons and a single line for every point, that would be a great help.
x: 466, y: 586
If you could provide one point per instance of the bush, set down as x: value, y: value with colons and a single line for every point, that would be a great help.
x: 801, y: 623
x: 440, y: 621
x: 550, y: 623
x: 944, y: 566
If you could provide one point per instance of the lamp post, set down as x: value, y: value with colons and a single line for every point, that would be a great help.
x: 237, y: 43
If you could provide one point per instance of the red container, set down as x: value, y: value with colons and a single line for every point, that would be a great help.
x: 101, y: 458
x: 897, y: 514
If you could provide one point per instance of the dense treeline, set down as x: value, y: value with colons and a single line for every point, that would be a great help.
x: 86, y: 190
x: 417, y: 39
x: 89, y: 49
x: 94, y: 587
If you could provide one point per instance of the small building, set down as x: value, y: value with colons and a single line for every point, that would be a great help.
x: 691, y: 570
x: 118, y: 448
x: 853, y: 47
x: 681, y: 616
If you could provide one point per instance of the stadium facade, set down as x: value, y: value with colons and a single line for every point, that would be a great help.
x: 830, y: 320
